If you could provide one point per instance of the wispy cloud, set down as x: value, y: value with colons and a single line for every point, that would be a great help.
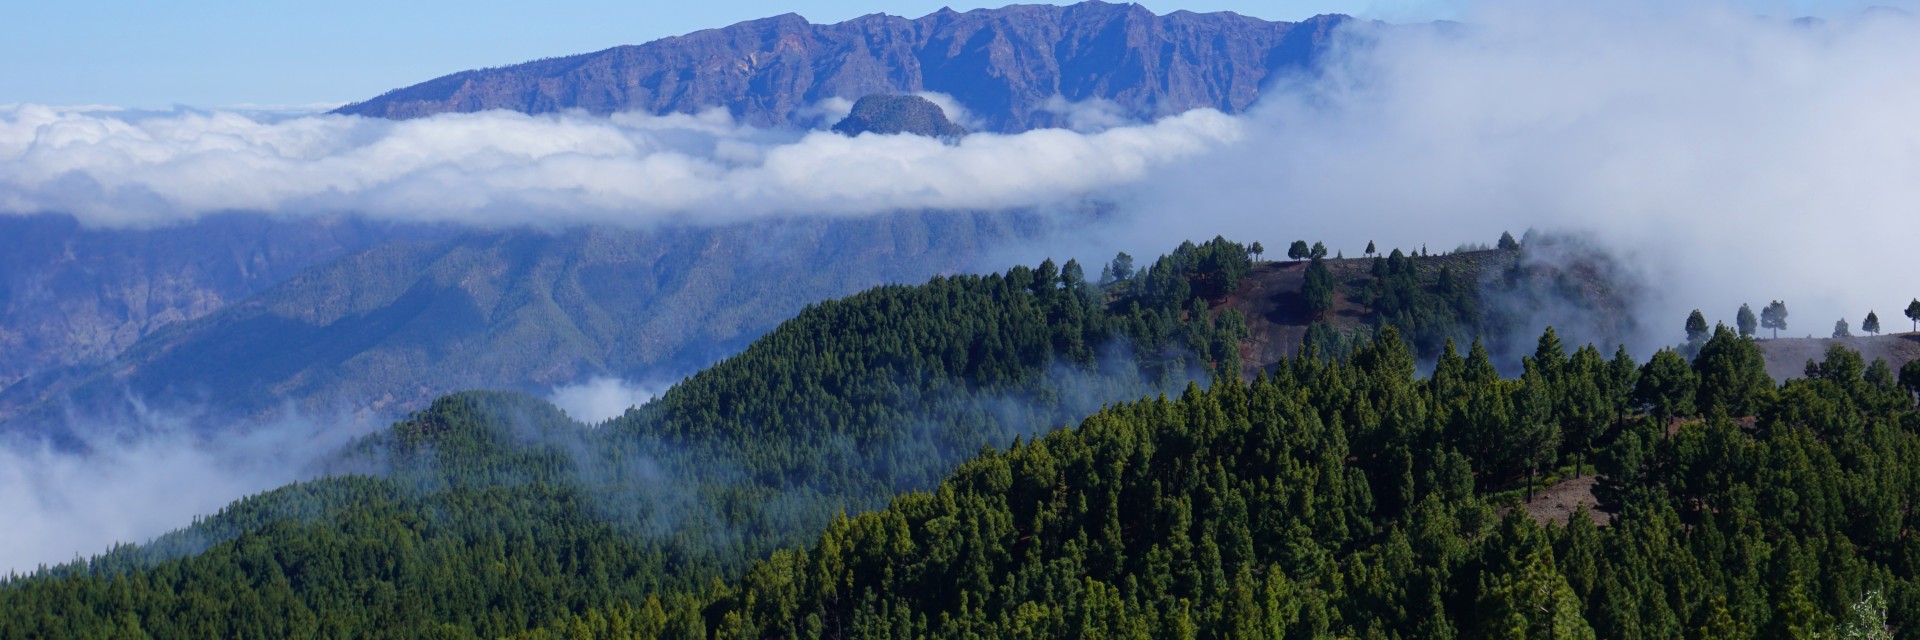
x: 138, y: 479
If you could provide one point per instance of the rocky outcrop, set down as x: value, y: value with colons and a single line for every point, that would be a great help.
x: 899, y: 114
x: 1005, y: 65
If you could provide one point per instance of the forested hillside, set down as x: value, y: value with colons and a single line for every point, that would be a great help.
x: 1353, y: 499
x: 1335, y: 495
x: 494, y: 514
x: 1500, y: 295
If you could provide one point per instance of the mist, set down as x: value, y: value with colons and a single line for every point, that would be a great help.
x: 602, y: 398
x: 133, y: 481
x: 1726, y: 158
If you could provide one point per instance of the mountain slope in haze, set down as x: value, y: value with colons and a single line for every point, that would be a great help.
x: 1349, y: 497
x: 384, y: 331
x: 492, y: 513
x: 1500, y: 297
x: 72, y: 295
x: 1004, y: 65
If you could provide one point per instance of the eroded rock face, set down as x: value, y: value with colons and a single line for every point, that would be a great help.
x: 1004, y: 64
x: 899, y: 114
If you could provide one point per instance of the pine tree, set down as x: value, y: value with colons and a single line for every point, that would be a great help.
x: 1871, y: 324
x: 1666, y: 386
x: 1318, y: 288
x: 1840, y: 329
x: 1774, y: 317
x: 1696, y: 328
x: 1370, y: 249
x: 1746, y: 321
x: 1507, y: 243
x: 1318, y: 251
x: 1298, y: 250
x: 1257, y: 249
x: 1913, y: 313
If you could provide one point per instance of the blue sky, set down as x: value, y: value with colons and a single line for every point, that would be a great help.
x: 213, y: 53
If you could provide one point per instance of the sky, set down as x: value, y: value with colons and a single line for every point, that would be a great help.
x: 232, y: 53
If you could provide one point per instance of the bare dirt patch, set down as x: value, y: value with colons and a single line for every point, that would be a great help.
x: 1271, y: 299
x: 1559, y: 503
x: 1787, y: 357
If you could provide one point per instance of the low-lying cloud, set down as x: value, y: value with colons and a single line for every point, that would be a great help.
x: 603, y: 398
x: 132, y: 482
x: 113, y: 168
x: 1732, y: 158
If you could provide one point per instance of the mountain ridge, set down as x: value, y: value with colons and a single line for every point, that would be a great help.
x: 1004, y: 64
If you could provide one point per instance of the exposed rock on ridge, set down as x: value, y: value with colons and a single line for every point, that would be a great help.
x: 1004, y: 64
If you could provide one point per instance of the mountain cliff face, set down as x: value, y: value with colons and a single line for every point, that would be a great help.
x: 1004, y: 64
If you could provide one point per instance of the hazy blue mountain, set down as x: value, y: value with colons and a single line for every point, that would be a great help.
x: 385, y: 330
x: 72, y: 295
x: 1003, y: 64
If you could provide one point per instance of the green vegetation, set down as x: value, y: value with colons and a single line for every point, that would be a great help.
x: 1427, y: 305
x: 489, y: 500
x: 1351, y: 499
x: 1774, y: 317
x: 843, y: 478
x: 891, y: 114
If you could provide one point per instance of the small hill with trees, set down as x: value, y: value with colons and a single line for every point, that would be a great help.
x: 889, y: 114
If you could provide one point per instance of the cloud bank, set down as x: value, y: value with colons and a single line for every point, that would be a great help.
x: 117, y: 168
x: 1731, y: 158
x: 138, y: 480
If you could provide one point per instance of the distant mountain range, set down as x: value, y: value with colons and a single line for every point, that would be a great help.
x: 240, y: 314
x: 1005, y: 65
x: 384, y: 330
x: 72, y: 295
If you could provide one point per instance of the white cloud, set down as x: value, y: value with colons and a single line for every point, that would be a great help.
x: 1741, y: 159
x: 600, y: 399
x: 1091, y: 115
x: 139, y: 480
x: 1736, y: 159
x: 956, y: 113
x: 127, y: 168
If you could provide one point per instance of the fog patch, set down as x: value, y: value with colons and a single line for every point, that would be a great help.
x: 1724, y: 157
x: 130, y: 482
x: 602, y: 398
